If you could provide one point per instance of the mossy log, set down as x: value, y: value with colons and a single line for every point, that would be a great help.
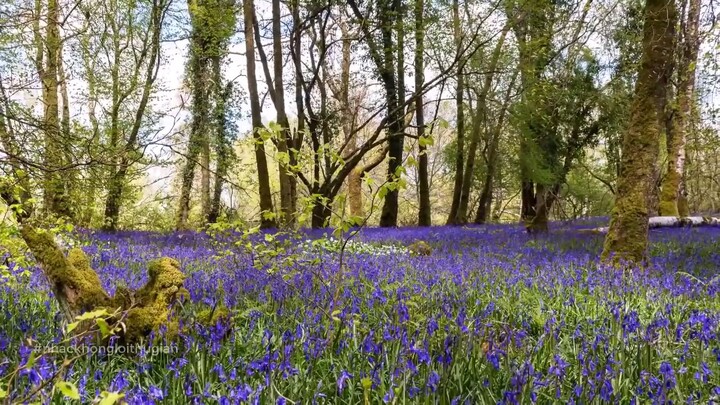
x: 78, y: 289
x: 420, y: 248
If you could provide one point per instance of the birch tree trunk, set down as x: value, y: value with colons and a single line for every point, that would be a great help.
x: 680, y: 113
x: 55, y: 196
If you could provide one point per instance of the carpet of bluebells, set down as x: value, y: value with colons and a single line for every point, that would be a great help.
x: 492, y: 315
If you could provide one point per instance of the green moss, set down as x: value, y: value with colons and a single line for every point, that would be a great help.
x: 123, y: 297
x: 141, y: 321
x: 211, y: 316
x: 683, y: 207
x: 155, y: 300
x: 79, y: 289
x: 71, y: 278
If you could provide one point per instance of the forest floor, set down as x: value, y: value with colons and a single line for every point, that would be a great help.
x: 486, y: 315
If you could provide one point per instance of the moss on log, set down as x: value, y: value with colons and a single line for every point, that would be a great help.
x: 78, y: 289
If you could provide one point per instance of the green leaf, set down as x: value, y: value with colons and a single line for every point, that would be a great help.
x: 382, y: 192
x: 31, y: 360
x: 275, y: 127
x: 425, y: 141
x: 110, y: 398
x: 3, y: 393
x: 92, y: 315
x: 264, y: 134
x: 104, y: 327
x: 68, y: 389
x: 72, y: 326
x: 283, y: 158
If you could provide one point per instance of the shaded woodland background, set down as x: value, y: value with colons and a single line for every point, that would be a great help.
x: 166, y: 115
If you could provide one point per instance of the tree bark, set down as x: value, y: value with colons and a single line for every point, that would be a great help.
x: 295, y: 50
x: 287, y: 199
x: 266, y: 206
x: 197, y: 142
x: 223, y: 148
x: 393, y: 79
x: 532, y: 25
x: 55, y: 196
x: 425, y: 210
x: 680, y: 114
x: 669, y: 222
x: 627, y: 237
x: 460, y: 118
x: 205, y: 172
x: 348, y: 118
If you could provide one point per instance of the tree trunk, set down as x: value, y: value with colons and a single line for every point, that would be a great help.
x: 425, y: 210
x: 296, y: 49
x: 78, y: 289
x: 70, y: 175
x: 527, y: 196
x: 56, y: 199
x: 117, y: 180
x: 266, y: 206
x: 205, y: 172
x: 460, y: 118
x: 533, y: 30
x: 395, y: 95
x: 680, y: 115
x: 348, y: 121
x: 321, y: 214
x: 485, y: 202
x: 197, y: 141
x: 355, y: 192
x: 223, y: 148
x: 628, y: 233
x: 479, y: 120
x: 669, y: 222
x: 287, y: 199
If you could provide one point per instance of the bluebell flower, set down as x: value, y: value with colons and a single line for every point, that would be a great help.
x: 342, y: 380
x: 433, y: 381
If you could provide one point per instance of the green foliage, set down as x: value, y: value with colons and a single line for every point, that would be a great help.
x: 213, y: 23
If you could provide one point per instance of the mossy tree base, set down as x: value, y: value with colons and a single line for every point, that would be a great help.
x: 78, y: 289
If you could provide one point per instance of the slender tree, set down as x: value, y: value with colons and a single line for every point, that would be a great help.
x: 673, y: 201
x: 393, y: 75
x: 425, y: 210
x: 266, y: 205
x: 127, y: 152
x: 478, y: 123
x: 460, y: 118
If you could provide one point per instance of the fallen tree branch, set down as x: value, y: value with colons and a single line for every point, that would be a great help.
x: 668, y: 222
